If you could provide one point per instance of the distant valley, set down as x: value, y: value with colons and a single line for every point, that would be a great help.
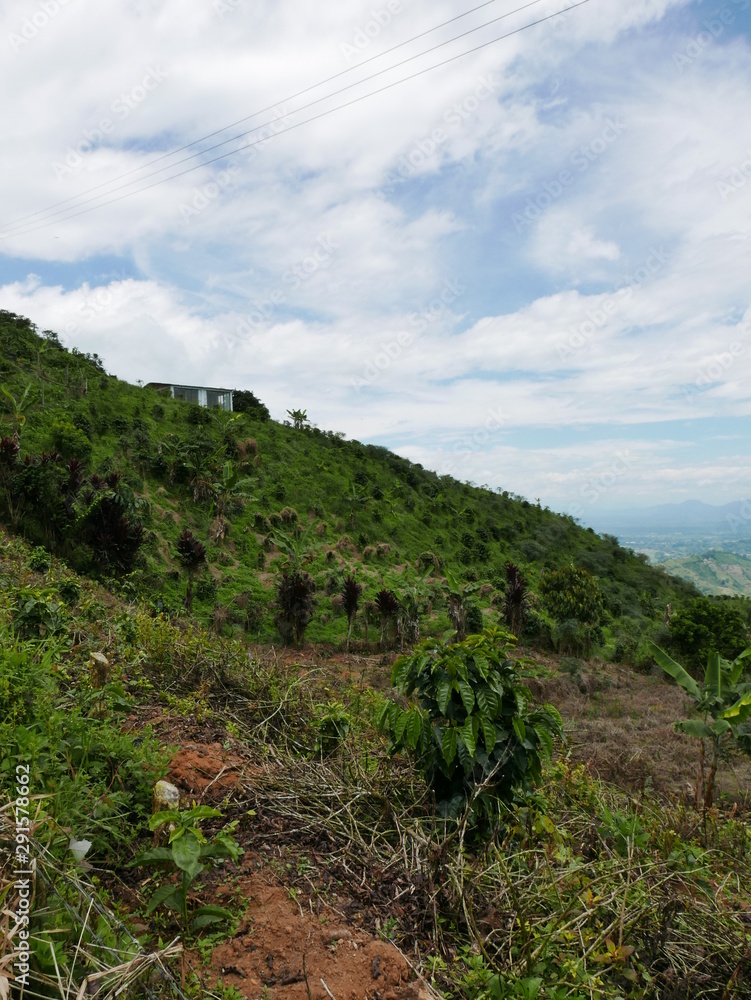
x: 706, y: 544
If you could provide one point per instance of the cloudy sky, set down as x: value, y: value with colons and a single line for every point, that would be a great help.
x: 528, y: 266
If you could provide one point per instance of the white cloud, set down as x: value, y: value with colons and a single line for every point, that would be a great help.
x: 393, y: 200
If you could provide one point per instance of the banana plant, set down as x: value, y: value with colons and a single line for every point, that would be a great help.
x: 724, y: 701
x: 297, y: 547
x: 17, y: 408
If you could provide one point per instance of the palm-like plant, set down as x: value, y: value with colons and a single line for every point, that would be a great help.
x: 725, y: 704
x: 299, y: 419
x: 294, y: 602
x: 387, y: 604
x: 228, y: 486
x: 296, y: 546
x: 350, y: 601
x: 356, y: 499
x: 17, y: 408
x: 192, y: 557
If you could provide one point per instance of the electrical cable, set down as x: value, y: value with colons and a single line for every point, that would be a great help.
x: 271, y: 107
x: 85, y: 201
x: 295, y: 125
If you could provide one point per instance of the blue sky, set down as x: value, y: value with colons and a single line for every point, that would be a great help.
x: 528, y: 268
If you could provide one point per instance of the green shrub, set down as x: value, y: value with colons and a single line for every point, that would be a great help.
x: 69, y: 440
x: 477, y: 740
x: 705, y: 626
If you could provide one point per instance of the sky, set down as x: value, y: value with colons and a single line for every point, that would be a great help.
x: 527, y: 267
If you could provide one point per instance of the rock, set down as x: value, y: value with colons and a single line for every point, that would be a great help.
x: 165, y: 797
x: 99, y: 666
x: 332, y: 934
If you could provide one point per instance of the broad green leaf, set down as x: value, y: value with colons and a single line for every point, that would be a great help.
x: 214, y: 911
x: 154, y: 856
x: 168, y: 816
x: 675, y: 670
x: 519, y: 729
x: 413, y: 729
x: 168, y: 895
x: 186, y: 851
x: 546, y: 742
x: 720, y: 726
x: 713, y: 675
x: 736, y: 667
x: 448, y: 744
x: 482, y: 664
x: 467, y: 696
x: 693, y: 727
x: 740, y: 711
x: 205, y: 920
x: 488, y: 734
x: 199, y: 813
x: 468, y: 733
x: 399, y: 728
x: 443, y: 696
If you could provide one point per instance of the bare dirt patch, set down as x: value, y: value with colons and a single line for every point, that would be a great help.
x: 207, y: 771
x: 282, y: 950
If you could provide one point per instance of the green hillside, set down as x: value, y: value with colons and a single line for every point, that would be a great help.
x: 715, y: 572
x: 238, y: 480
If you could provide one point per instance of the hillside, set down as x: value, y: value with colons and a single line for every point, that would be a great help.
x: 238, y: 481
x: 715, y: 572
x: 342, y: 880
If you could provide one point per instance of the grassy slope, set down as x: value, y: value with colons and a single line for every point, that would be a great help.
x: 715, y: 572
x: 411, y: 511
x: 596, y: 891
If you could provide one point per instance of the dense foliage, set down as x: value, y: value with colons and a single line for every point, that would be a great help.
x: 248, y: 487
x: 474, y: 732
x: 703, y: 626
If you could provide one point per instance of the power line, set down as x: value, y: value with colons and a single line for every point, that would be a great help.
x: 271, y: 107
x: 85, y: 201
x: 295, y: 125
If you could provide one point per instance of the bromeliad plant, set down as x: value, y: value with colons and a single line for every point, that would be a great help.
x: 725, y: 704
x: 478, y: 741
x: 185, y: 852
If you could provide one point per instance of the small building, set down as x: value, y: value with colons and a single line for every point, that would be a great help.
x: 202, y: 395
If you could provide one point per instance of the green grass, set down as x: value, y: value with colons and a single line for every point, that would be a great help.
x: 376, y: 514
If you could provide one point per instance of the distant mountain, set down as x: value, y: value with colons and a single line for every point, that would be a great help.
x: 691, y: 516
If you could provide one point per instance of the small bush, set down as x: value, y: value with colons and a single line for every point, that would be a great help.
x: 473, y: 725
